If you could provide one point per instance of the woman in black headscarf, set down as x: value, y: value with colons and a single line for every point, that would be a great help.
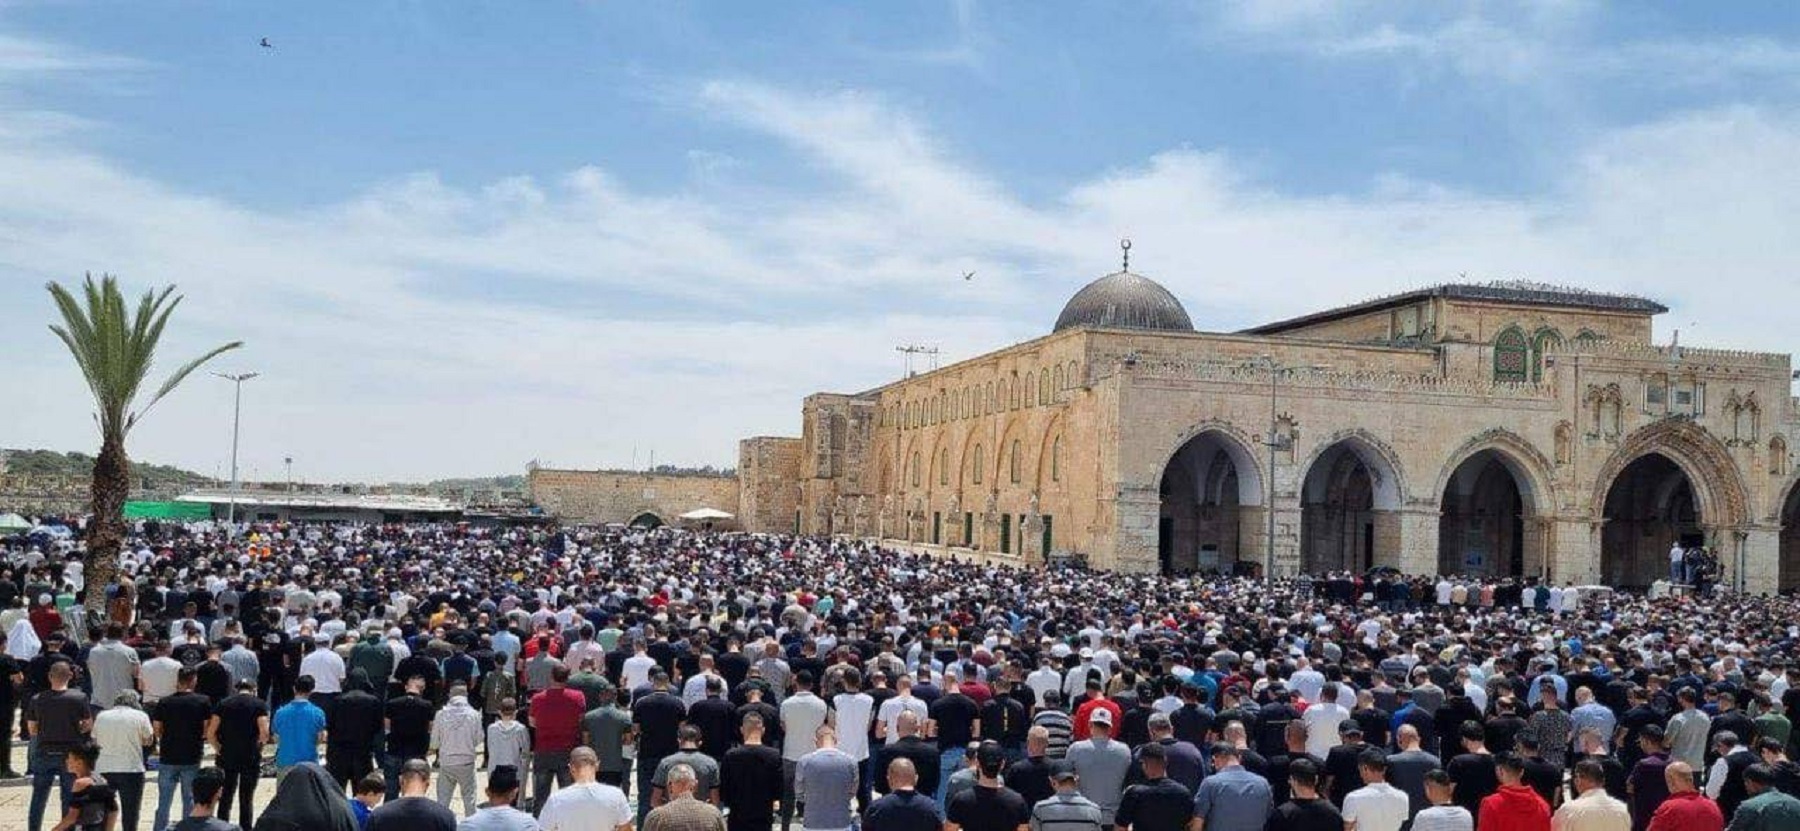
x: 307, y: 799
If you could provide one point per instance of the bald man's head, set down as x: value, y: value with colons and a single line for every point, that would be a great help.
x: 901, y: 775
x: 1679, y: 776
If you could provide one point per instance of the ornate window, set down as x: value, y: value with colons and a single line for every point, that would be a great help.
x: 1012, y: 471
x: 1512, y: 356
x: 1543, y: 342
x: 978, y: 464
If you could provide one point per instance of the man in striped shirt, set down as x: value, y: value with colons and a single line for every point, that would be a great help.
x: 1067, y: 810
x: 1055, y: 722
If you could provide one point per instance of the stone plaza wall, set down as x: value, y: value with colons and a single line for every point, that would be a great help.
x: 768, y: 483
x: 598, y: 496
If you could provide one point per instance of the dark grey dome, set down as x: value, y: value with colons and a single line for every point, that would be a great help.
x: 1123, y: 300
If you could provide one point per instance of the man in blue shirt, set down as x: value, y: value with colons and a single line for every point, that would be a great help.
x: 298, y: 726
x: 1232, y: 799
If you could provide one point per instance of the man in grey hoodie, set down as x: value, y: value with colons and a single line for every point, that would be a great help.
x: 456, y: 734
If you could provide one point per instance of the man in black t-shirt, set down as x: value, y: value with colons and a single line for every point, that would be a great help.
x: 413, y: 810
x: 357, y: 717
x: 750, y: 779
x: 180, y: 721
x: 989, y: 806
x: 59, y: 719
x: 275, y: 664
x: 1305, y: 810
x: 903, y: 808
x: 11, y: 675
x: 239, y: 729
x: 1158, y: 803
x: 958, y: 720
x: 408, y: 721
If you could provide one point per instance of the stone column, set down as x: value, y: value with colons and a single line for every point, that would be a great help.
x: 1535, y: 542
x: 1575, y: 550
x: 1761, y: 560
x: 1287, y: 537
x: 1407, y: 539
x: 1138, y: 509
x: 1253, y: 532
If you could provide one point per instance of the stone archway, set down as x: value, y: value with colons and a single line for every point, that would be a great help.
x: 1787, y: 569
x: 1650, y: 507
x: 1349, y: 502
x: 646, y: 519
x: 1491, y: 497
x: 1205, y: 488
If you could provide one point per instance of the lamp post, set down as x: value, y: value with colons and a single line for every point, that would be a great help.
x: 288, y: 462
x: 1274, y: 443
x: 237, y: 407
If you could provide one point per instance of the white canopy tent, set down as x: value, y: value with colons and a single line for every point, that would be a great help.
x: 707, y: 515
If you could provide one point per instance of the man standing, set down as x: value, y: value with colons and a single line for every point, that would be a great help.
x: 414, y: 810
x: 1767, y: 809
x: 499, y: 813
x: 298, y: 726
x: 1688, y: 731
x: 1592, y: 809
x: 750, y: 779
x: 1444, y: 814
x: 556, y: 716
x: 923, y: 755
x: 1158, y: 803
x: 58, y: 720
x: 1686, y: 809
x: 1377, y: 805
x: 112, y: 666
x: 854, y: 710
x: 180, y: 722
x: 657, y: 718
x: 1101, y: 763
x: 585, y: 804
x: 1305, y: 810
x: 239, y: 729
x: 456, y: 733
x: 704, y: 767
x: 801, y: 716
x: 1407, y: 769
x: 607, y: 729
x: 825, y: 781
x: 1725, y: 780
x: 359, y: 717
x: 1649, y: 782
x: 958, y: 721
x: 408, y: 723
x: 1232, y: 799
x: 1472, y: 771
x: 989, y: 806
x: 1067, y: 810
x: 682, y: 810
x: 1515, y: 806
x: 903, y: 808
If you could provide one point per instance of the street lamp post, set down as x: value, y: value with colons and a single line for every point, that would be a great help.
x: 237, y: 408
x: 1274, y: 443
x: 288, y: 462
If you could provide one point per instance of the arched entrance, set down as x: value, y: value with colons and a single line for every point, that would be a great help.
x: 646, y: 519
x: 1649, y: 507
x: 1482, y: 527
x: 1349, y: 491
x: 1787, y: 576
x: 1205, y: 486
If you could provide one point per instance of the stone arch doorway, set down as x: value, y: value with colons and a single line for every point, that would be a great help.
x: 1650, y: 506
x: 1348, y: 502
x: 1211, y: 493
x: 1482, y: 528
x: 1787, y: 573
x: 646, y: 519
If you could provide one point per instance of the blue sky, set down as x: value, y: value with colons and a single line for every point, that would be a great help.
x: 462, y: 236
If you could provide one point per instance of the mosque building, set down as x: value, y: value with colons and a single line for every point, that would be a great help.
x: 1499, y: 429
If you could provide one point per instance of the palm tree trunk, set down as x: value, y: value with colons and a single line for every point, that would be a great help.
x: 106, y: 531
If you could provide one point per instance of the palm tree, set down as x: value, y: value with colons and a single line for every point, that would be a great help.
x: 115, y: 348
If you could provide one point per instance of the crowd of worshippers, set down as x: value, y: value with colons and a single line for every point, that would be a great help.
x: 743, y: 681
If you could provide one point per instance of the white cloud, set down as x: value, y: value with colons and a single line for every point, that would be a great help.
x: 419, y: 328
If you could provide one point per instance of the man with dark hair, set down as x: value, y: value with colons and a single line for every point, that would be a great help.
x: 1515, y: 806
x: 1157, y: 803
x: 500, y: 812
x: 1444, y: 814
x: 1232, y: 798
x: 414, y: 810
x: 407, y: 720
x: 209, y: 786
x: 658, y: 717
x: 239, y: 729
x: 556, y: 716
x: 1473, y: 770
x: 1541, y: 774
x: 1377, y: 805
x: 1787, y: 774
x: 1304, y: 809
x: 1592, y: 806
x: 298, y: 726
x: 59, y: 720
x: 180, y: 722
x: 1766, y: 808
x: 989, y: 806
x: 704, y: 767
x: 359, y: 718
x: 1648, y: 784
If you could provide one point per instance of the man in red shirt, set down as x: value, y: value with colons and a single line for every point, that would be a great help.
x: 1686, y: 809
x: 556, y: 715
x: 1096, y: 700
x: 1515, y: 806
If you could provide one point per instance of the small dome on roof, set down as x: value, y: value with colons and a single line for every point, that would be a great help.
x: 1123, y: 300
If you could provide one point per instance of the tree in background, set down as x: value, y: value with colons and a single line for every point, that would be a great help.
x: 115, y: 348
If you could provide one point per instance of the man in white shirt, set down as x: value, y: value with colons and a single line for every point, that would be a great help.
x: 1306, y: 681
x: 801, y: 715
x: 586, y: 805
x: 327, y: 670
x: 1592, y: 809
x: 852, y: 710
x: 636, y: 672
x: 1322, y: 720
x: 1043, y: 679
x: 888, y: 720
x: 1377, y: 805
x: 157, y: 676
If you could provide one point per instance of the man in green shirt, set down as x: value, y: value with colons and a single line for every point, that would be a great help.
x: 1767, y: 809
x: 608, y: 730
x: 1773, y: 723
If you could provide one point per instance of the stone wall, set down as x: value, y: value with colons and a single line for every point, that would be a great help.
x: 597, y: 496
x: 768, y: 482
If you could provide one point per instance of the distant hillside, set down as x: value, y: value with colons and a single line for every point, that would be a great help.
x: 481, y: 483
x: 52, y: 463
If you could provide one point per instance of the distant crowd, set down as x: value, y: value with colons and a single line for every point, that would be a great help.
x: 442, y: 676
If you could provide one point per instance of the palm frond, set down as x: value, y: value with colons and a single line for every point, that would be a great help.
x: 176, y: 379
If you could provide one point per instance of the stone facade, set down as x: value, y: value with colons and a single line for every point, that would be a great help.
x: 1501, y: 428
x: 769, y: 482
x: 598, y: 496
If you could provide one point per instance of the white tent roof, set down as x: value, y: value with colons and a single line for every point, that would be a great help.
x: 707, y: 513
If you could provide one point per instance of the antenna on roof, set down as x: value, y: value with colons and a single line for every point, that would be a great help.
x: 1125, y: 250
x: 909, y: 350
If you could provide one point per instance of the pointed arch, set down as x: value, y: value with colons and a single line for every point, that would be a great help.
x: 1718, y: 484
x: 1388, y: 478
x: 1528, y: 465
